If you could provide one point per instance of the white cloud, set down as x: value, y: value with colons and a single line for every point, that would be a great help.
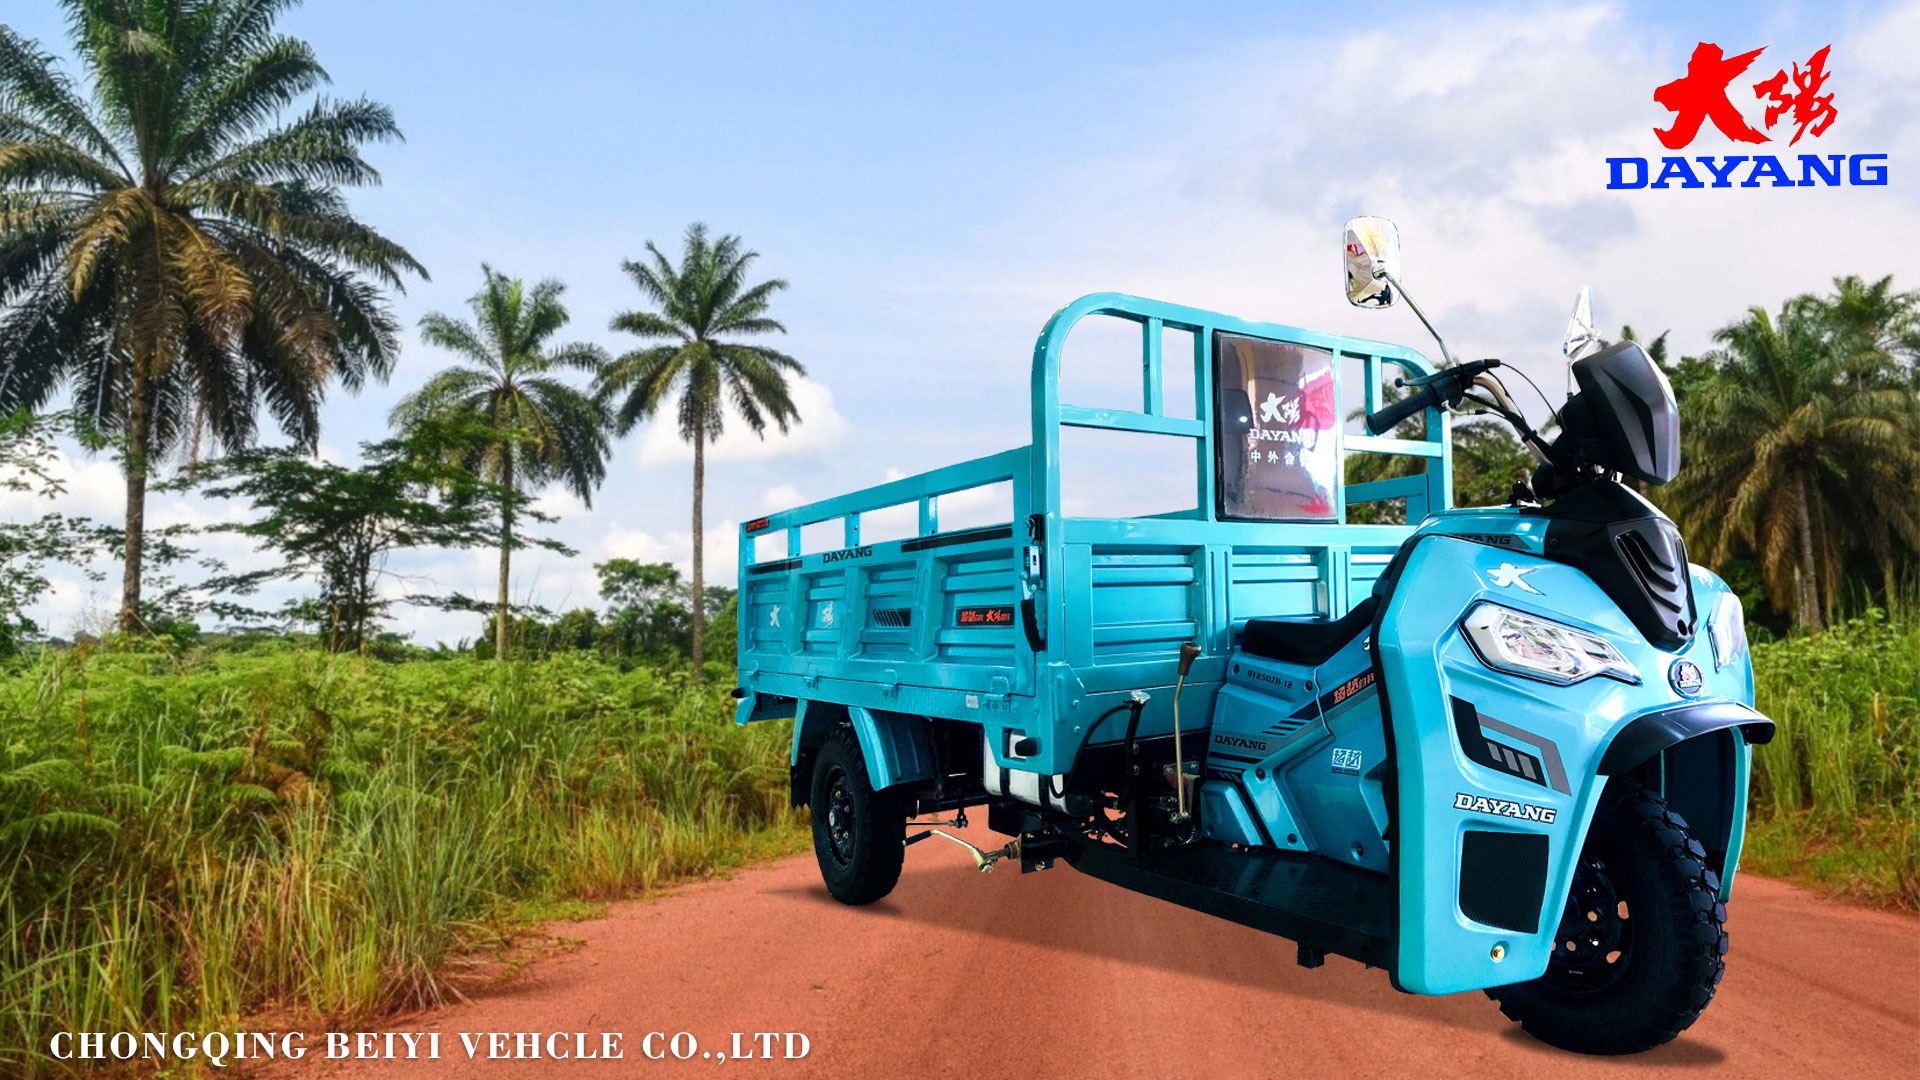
x: 622, y: 542
x: 821, y: 427
x: 93, y: 488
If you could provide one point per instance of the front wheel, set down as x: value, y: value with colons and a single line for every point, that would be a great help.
x: 859, y: 834
x: 1641, y: 943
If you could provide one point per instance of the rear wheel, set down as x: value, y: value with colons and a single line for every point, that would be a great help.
x: 859, y: 834
x: 1641, y: 943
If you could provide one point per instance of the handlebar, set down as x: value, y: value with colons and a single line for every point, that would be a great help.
x: 1439, y: 390
x: 1390, y: 416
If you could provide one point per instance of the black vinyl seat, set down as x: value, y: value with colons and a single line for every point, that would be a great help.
x: 1307, y: 644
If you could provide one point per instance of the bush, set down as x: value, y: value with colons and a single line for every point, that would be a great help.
x: 1836, y: 795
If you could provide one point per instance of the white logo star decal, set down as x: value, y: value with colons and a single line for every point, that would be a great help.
x: 773, y: 617
x: 1509, y: 576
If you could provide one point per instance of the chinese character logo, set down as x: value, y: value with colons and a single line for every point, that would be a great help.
x: 1280, y: 410
x: 1808, y: 106
x: 1701, y: 95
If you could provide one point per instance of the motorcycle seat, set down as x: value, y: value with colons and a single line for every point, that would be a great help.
x: 1303, y: 642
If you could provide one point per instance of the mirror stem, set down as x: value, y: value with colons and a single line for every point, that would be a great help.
x: 1408, y: 297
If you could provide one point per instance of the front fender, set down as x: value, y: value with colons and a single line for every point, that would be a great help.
x: 1651, y: 733
x: 1499, y: 776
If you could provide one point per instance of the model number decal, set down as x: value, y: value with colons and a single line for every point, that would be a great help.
x: 986, y: 615
x: 1256, y: 673
x: 1480, y: 804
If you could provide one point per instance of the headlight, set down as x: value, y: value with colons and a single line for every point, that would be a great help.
x: 1537, y: 648
x: 1727, y: 629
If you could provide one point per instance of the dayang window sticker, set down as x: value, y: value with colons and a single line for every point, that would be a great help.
x: 1276, y: 423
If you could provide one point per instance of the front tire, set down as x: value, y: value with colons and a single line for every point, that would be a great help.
x: 1642, y: 941
x: 859, y: 834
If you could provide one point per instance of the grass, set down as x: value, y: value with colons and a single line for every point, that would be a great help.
x: 1836, y: 796
x: 184, y: 843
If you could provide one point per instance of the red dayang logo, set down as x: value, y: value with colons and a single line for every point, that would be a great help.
x: 1793, y: 99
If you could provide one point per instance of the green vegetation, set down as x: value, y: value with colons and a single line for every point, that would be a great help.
x: 336, y: 525
x: 706, y: 306
x: 1836, y: 796
x: 1802, y: 444
x: 536, y: 429
x: 188, y: 839
x: 172, y: 247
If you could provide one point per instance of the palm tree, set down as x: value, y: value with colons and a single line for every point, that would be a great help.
x: 1878, y: 328
x: 538, y: 430
x: 1786, y: 454
x: 171, y: 247
x: 705, y: 305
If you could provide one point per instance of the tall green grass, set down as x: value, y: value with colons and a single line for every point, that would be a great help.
x: 1836, y: 795
x: 182, y: 843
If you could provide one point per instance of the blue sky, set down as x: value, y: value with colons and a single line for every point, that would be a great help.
x: 936, y: 179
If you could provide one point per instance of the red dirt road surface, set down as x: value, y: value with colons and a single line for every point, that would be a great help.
x: 1056, y: 975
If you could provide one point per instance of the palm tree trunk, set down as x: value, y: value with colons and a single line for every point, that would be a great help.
x: 699, y: 560
x: 139, y: 439
x: 506, y: 557
x: 1808, y: 604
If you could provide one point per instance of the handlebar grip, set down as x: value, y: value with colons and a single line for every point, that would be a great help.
x: 1388, y: 418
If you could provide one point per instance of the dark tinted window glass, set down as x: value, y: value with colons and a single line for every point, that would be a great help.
x: 1275, y: 409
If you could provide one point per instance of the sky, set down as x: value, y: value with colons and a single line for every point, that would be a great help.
x: 935, y: 180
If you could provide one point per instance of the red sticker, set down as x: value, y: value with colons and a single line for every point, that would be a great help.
x: 990, y: 615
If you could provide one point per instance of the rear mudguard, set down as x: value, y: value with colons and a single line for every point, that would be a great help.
x: 1499, y: 776
x: 894, y: 745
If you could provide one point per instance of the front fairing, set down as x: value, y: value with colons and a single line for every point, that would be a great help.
x: 1442, y: 700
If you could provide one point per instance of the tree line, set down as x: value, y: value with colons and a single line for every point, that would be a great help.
x: 178, y: 257
x: 178, y: 260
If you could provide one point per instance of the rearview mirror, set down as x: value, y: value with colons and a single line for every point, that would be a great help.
x: 1372, y: 261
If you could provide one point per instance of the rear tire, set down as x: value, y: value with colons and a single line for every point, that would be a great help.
x: 859, y: 834
x: 1647, y: 931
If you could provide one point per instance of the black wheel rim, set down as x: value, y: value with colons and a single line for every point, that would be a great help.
x: 840, y: 821
x: 1594, y: 942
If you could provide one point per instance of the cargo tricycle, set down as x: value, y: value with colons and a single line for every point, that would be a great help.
x: 1495, y: 748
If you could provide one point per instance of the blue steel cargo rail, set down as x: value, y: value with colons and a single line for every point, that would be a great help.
x: 1034, y: 626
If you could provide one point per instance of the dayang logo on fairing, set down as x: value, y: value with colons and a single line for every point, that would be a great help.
x: 1480, y: 804
x: 1797, y: 101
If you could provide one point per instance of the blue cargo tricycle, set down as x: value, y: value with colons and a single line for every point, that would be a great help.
x: 1502, y: 748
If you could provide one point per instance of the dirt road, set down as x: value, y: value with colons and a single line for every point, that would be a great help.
x: 1056, y: 975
